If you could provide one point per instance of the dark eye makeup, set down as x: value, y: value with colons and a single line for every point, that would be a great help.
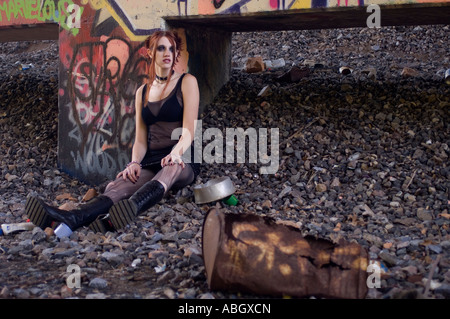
x: 162, y: 48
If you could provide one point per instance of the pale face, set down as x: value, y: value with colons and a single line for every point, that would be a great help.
x: 165, y: 54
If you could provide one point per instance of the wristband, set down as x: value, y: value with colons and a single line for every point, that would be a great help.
x: 134, y: 162
x: 175, y: 155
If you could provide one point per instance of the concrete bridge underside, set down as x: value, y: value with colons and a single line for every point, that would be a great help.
x: 318, y: 18
x: 301, y: 19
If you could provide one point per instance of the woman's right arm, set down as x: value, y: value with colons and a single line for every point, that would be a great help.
x: 133, y: 170
x: 140, y: 141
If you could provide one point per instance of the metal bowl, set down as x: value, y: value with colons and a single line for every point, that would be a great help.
x: 213, y: 190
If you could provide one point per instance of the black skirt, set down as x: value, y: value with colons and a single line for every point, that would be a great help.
x: 152, y: 160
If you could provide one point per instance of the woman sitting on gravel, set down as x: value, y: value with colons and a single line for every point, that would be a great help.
x: 168, y: 101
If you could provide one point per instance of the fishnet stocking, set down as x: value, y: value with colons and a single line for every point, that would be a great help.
x: 171, y: 176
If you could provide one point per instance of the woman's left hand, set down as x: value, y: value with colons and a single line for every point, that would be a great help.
x: 131, y: 172
x: 172, y: 159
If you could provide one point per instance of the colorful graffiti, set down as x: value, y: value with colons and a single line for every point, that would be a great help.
x: 64, y: 12
x: 97, y: 104
x: 138, y: 19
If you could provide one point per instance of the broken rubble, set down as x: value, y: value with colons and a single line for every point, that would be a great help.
x: 294, y: 74
x: 254, y: 65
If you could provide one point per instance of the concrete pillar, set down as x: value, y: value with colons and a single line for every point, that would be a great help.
x: 209, y: 60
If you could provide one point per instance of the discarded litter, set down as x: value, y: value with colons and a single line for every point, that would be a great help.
x: 278, y: 63
x: 136, y: 262
x: 230, y: 200
x: 7, y: 229
x: 159, y: 269
x: 253, y: 254
x: 63, y: 231
x: 213, y: 190
x: 345, y: 70
x: 447, y: 77
x: 24, y: 66
x: 27, y: 66
x: 294, y: 74
x: 265, y: 91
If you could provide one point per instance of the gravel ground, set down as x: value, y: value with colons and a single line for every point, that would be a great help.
x: 363, y: 157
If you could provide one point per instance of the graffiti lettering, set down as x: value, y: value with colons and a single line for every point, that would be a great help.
x: 64, y: 12
x: 218, y: 3
x: 103, y: 78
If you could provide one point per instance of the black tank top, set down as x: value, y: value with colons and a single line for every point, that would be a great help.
x: 162, y: 118
x: 169, y: 109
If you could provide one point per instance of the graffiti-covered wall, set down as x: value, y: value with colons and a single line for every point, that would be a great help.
x: 100, y: 70
x: 26, y: 12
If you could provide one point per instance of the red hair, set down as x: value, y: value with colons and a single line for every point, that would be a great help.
x: 151, y: 44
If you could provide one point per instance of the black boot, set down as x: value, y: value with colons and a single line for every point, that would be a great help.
x: 34, y: 208
x: 43, y: 215
x: 125, y: 211
x: 102, y: 224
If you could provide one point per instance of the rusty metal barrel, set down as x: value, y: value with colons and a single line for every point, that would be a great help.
x: 252, y: 254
